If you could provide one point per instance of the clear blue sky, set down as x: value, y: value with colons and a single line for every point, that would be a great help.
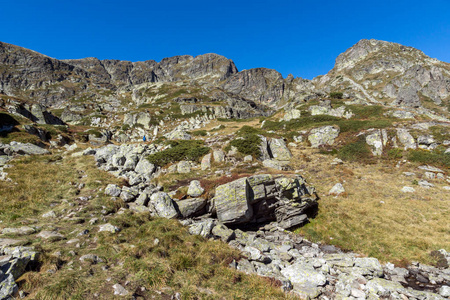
x: 299, y: 37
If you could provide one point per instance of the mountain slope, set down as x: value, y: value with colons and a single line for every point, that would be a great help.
x: 389, y: 73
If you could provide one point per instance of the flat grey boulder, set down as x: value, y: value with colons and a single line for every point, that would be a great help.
x: 51, y: 236
x: 27, y: 148
x: 24, y: 230
x: 108, y: 228
x: 191, y: 207
x: 163, y: 205
x: 231, y: 202
x: 305, y: 278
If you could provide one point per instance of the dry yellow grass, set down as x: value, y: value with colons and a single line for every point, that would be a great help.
x: 374, y: 217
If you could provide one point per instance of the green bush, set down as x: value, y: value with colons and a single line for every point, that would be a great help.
x: 180, y: 150
x: 125, y: 127
x: 248, y: 144
x: 437, y: 157
x: 199, y: 133
x: 336, y: 95
x: 355, y: 151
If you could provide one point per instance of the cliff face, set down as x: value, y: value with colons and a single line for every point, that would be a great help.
x: 389, y: 73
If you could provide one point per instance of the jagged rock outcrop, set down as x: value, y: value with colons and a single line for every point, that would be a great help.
x: 378, y: 71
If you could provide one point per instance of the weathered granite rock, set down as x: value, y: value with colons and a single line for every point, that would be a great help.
x: 279, y: 150
x: 377, y: 140
x: 191, y: 207
x: 337, y: 189
x: 219, y: 156
x: 51, y: 236
x: 206, y: 162
x: 24, y: 230
x: 292, y: 114
x: 305, y: 278
x: 195, y: 189
x: 8, y: 287
x: 323, y: 136
x: 406, y: 139
x: 30, y: 149
x: 113, y: 190
x: 144, y: 167
x: 231, y: 202
x: 184, y: 167
x: 108, y: 228
x: 163, y: 205
x: 178, y: 135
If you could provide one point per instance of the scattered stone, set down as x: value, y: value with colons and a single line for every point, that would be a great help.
x: 337, y: 189
x: 91, y: 258
x: 163, y: 205
x: 120, y: 290
x: 195, y: 189
x: 108, y: 228
x: 51, y: 236
x: 50, y: 214
x: 425, y: 184
x: 113, y: 190
x: 407, y: 189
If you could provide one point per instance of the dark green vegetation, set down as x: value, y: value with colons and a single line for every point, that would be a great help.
x: 355, y: 151
x: 336, y: 95
x: 436, y: 157
x: 179, y: 150
x: 248, y: 141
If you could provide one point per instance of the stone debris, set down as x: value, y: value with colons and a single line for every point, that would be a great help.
x: 337, y: 189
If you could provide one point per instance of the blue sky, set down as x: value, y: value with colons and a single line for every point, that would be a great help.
x: 299, y: 37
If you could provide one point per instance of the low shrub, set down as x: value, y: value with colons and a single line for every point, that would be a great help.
x: 248, y: 144
x: 180, y: 150
x: 437, y: 157
x: 199, y: 133
x: 336, y: 95
x: 355, y: 151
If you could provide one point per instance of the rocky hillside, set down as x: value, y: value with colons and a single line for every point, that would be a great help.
x: 248, y: 185
x: 391, y: 74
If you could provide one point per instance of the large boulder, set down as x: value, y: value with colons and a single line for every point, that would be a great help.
x: 191, y: 207
x: 26, y: 148
x: 279, y: 150
x: 163, y: 205
x: 231, y: 202
x: 324, y: 135
x: 406, y: 139
x: 262, y: 198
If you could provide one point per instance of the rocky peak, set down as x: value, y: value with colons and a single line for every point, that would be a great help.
x: 384, y: 72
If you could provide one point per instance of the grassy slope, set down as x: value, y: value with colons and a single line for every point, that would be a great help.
x: 191, y: 265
